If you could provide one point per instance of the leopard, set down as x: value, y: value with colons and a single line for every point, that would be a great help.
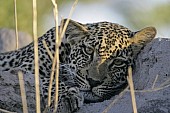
x: 94, y: 60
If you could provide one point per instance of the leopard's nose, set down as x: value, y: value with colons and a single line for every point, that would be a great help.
x: 93, y: 83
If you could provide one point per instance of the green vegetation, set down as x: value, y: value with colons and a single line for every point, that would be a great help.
x: 161, y: 14
x: 158, y: 16
x: 24, y: 11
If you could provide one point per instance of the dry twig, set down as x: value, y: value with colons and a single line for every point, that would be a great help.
x: 68, y: 19
x: 152, y: 90
x: 16, y: 24
x: 115, y: 100
x: 166, y: 82
x: 130, y: 82
x: 23, y: 94
x: 48, y: 50
x: 55, y: 59
x: 37, y: 88
x: 20, y: 75
x: 155, y: 81
x: 57, y: 49
x: 56, y: 56
x: 5, y: 111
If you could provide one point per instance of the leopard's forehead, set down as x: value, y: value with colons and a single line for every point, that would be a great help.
x: 107, y: 27
x: 109, y: 37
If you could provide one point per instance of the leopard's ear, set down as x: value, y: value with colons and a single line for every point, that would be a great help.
x: 141, y: 38
x: 75, y: 31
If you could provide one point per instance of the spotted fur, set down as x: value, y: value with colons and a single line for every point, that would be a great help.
x: 97, y: 56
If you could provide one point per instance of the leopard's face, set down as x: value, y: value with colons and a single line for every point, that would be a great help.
x: 100, y: 45
x: 101, y: 57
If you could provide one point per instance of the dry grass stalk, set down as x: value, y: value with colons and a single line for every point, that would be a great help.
x: 16, y: 24
x: 5, y: 111
x: 57, y: 48
x: 55, y: 59
x: 152, y: 90
x: 155, y: 81
x: 130, y: 82
x: 56, y: 56
x: 166, y: 82
x: 115, y: 100
x: 23, y: 94
x: 20, y: 75
x: 48, y: 50
x: 61, y: 28
x: 68, y: 19
x: 51, y: 56
x: 37, y: 88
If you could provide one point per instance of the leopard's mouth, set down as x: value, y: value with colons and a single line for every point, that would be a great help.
x: 90, y: 95
x: 93, y: 77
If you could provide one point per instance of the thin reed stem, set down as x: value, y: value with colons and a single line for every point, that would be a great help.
x: 16, y: 24
x: 5, y: 111
x: 152, y: 90
x: 115, y: 100
x: 23, y: 94
x: 37, y: 88
x: 130, y: 82
x: 48, y: 50
x: 155, y: 81
x: 56, y: 53
x: 166, y: 82
x: 56, y: 56
x: 20, y: 75
x: 68, y: 19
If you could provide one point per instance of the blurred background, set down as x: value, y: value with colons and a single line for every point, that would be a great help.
x: 133, y: 14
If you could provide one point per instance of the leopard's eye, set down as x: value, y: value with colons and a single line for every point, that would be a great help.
x: 118, y: 62
x: 89, y: 50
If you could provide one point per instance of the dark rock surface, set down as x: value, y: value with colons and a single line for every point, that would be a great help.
x: 8, y: 40
x: 154, y: 62
x: 10, y: 98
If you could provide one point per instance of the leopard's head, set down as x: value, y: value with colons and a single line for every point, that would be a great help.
x: 101, y: 53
